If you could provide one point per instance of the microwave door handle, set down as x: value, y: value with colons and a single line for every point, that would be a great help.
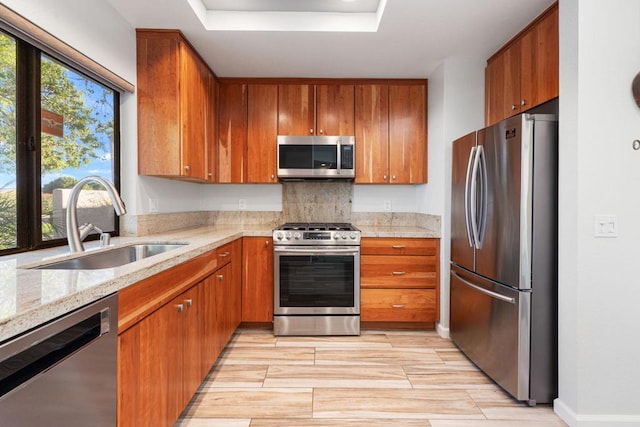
x: 338, y: 157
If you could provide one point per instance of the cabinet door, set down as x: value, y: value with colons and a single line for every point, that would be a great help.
x: 150, y: 370
x: 296, y: 109
x: 158, y: 69
x: 232, y: 132
x: 511, y: 82
x: 193, y: 93
x: 540, y: 62
x: 408, y: 134
x: 210, y: 342
x: 257, y: 279
x: 494, y: 90
x: 224, y: 305
x: 212, y: 129
x: 372, y: 134
x: 262, y: 133
x: 193, y: 333
x: 335, y: 110
x: 236, y: 282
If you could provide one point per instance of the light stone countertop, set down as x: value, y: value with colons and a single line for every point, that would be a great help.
x: 29, y: 298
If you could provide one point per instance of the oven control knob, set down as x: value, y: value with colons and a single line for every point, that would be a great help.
x: 297, y: 235
x: 288, y: 235
x: 343, y: 235
x: 353, y: 236
x: 279, y: 235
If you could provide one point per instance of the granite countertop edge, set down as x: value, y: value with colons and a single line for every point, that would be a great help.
x: 95, y: 284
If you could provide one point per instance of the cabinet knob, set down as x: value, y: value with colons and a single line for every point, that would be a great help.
x: 189, y: 302
x: 266, y: 243
x: 311, y: 131
x: 187, y: 168
x: 385, y: 177
x: 273, y: 176
x: 394, y: 177
x: 210, y: 174
x: 221, y: 277
x: 523, y: 102
x: 180, y: 308
x: 513, y: 107
x: 321, y: 131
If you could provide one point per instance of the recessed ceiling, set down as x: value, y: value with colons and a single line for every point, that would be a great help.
x: 289, y: 15
x: 413, y: 37
x: 343, y: 6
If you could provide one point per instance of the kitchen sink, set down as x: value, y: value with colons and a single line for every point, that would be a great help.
x: 112, y: 257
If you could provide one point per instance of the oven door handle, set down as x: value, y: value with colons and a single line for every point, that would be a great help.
x: 317, y: 251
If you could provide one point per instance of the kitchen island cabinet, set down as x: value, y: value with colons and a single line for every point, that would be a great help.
x: 173, y: 101
x: 399, y: 280
x: 171, y: 329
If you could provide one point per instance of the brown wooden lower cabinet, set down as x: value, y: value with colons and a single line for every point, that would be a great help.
x: 167, y: 345
x: 399, y: 280
x: 257, y: 280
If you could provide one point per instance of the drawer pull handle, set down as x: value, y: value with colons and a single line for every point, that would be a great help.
x: 189, y: 302
x: 398, y: 273
x: 225, y: 254
x: 180, y: 308
x: 397, y: 305
x: 398, y: 246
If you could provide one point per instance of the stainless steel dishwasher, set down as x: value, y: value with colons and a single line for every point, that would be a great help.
x: 63, y: 373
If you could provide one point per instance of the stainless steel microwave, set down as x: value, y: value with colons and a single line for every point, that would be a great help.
x: 316, y: 157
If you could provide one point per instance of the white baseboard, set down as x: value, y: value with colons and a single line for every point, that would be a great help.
x: 442, y: 331
x: 600, y: 420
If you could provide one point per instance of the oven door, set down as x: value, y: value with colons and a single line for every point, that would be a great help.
x: 316, y: 280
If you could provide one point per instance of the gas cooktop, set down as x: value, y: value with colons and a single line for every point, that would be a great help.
x: 314, y: 233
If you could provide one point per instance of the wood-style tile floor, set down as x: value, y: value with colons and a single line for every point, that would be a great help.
x: 381, y: 378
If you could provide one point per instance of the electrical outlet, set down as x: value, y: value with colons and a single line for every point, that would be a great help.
x: 387, y: 205
x: 242, y: 204
x: 606, y: 226
x: 153, y: 205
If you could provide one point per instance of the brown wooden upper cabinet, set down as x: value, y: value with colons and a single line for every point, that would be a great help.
x: 232, y: 132
x: 391, y: 134
x: 262, y: 133
x: 322, y: 109
x: 173, y: 100
x: 524, y: 72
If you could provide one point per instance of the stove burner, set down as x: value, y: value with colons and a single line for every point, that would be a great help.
x: 302, y: 226
x: 317, y: 233
x: 294, y: 226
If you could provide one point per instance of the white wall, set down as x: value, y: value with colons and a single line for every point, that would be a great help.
x: 599, y: 174
x: 456, y: 107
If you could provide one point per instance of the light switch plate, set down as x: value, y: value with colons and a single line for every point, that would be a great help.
x: 154, y: 205
x: 605, y: 226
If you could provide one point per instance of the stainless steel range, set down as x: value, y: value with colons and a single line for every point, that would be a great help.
x: 317, y: 279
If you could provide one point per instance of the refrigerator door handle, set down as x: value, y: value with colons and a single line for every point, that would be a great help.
x: 485, y: 291
x: 473, y: 212
x: 467, y: 195
x: 482, y: 215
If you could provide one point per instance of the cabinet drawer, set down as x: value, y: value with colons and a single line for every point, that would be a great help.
x: 398, y: 246
x: 398, y: 305
x: 388, y: 271
x: 224, y: 254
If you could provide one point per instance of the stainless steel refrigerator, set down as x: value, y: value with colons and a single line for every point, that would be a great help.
x: 504, y: 253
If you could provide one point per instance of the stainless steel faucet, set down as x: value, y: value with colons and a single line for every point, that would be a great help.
x: 76, y: 234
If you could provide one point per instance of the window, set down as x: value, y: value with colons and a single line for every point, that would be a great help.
x: 56, y: 126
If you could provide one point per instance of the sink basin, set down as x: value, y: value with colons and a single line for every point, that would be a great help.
x: 113, y: 257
